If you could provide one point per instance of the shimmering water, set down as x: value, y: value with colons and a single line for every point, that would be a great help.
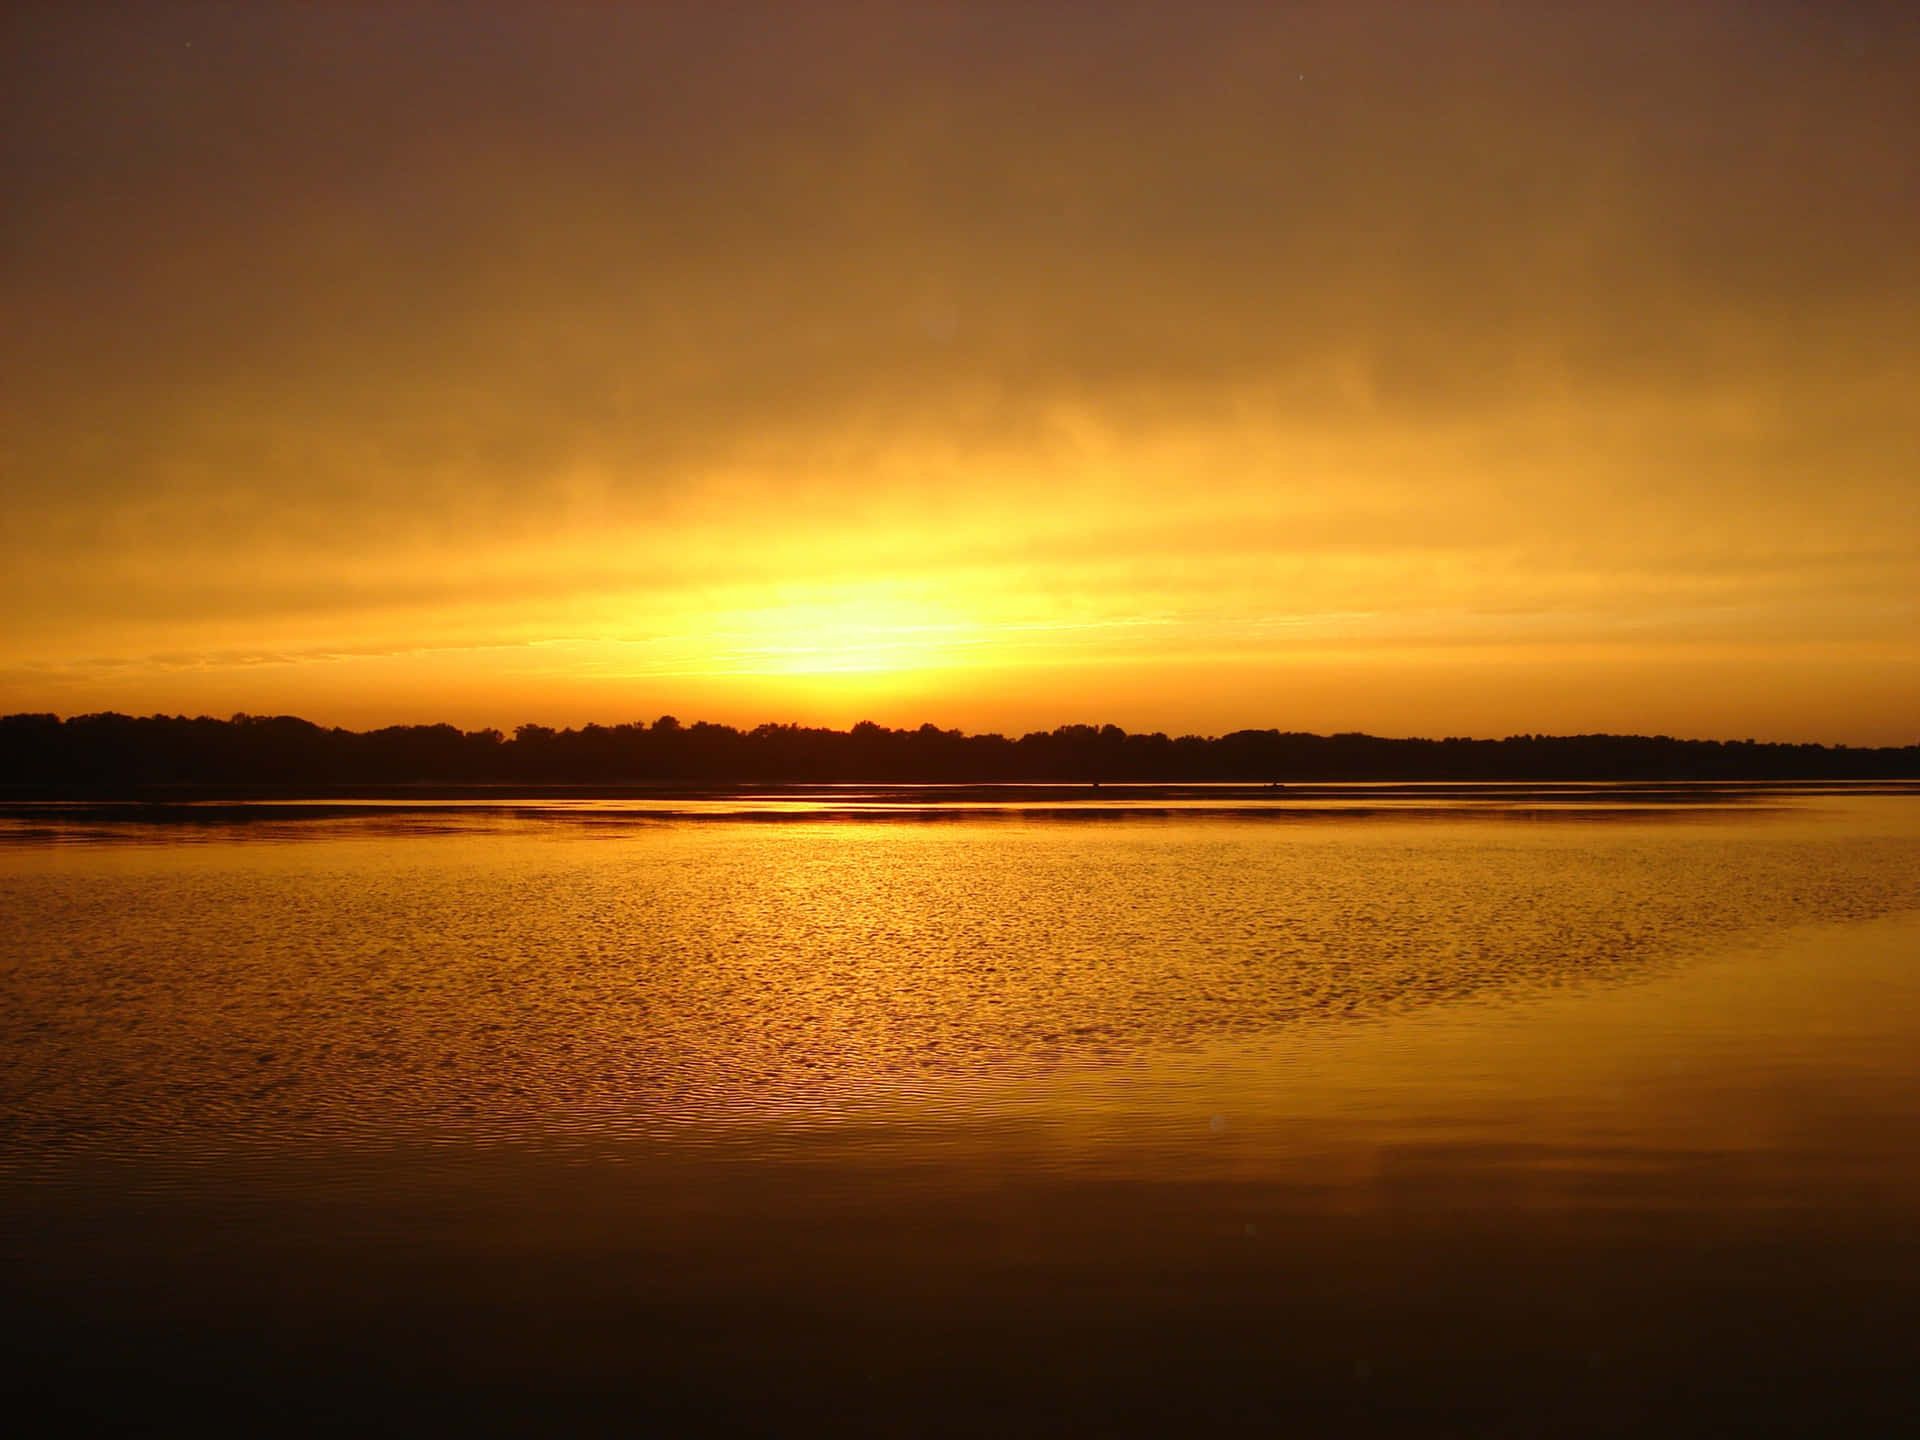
x: 1406, y: 1109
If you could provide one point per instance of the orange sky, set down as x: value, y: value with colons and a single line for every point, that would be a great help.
x: 1407, y: 368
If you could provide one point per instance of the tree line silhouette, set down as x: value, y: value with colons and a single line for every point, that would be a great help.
x: 120, y: 754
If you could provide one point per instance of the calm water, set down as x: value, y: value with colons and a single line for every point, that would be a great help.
x: 1387, y: 1109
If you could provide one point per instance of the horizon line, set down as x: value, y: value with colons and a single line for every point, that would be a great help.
x: 668, y: 723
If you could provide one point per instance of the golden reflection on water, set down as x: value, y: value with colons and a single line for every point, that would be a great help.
x: 507, y: 974
x: 1465, y: 1122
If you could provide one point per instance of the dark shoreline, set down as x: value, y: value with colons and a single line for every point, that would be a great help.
x: 122, y: 757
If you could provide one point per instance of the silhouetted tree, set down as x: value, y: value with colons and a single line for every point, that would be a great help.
x: 110, y: 753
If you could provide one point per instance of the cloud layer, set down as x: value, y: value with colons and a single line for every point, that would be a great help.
x: 1389, y: 367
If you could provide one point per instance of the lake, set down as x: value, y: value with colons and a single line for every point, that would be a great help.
x: 1380, y: 1109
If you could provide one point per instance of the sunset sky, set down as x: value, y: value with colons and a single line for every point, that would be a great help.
x: 1418, y: 369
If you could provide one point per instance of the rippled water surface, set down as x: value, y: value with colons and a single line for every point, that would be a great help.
x: 1424, y: 1109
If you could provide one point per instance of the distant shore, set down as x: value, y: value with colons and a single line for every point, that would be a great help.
x: 120, y: 756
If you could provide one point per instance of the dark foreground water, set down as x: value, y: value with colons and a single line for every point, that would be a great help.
x: 1378, y: 1110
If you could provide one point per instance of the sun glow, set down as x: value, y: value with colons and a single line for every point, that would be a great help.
x: 868, y: 630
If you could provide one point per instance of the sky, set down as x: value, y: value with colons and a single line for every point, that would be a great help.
x: 1410, y: 368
